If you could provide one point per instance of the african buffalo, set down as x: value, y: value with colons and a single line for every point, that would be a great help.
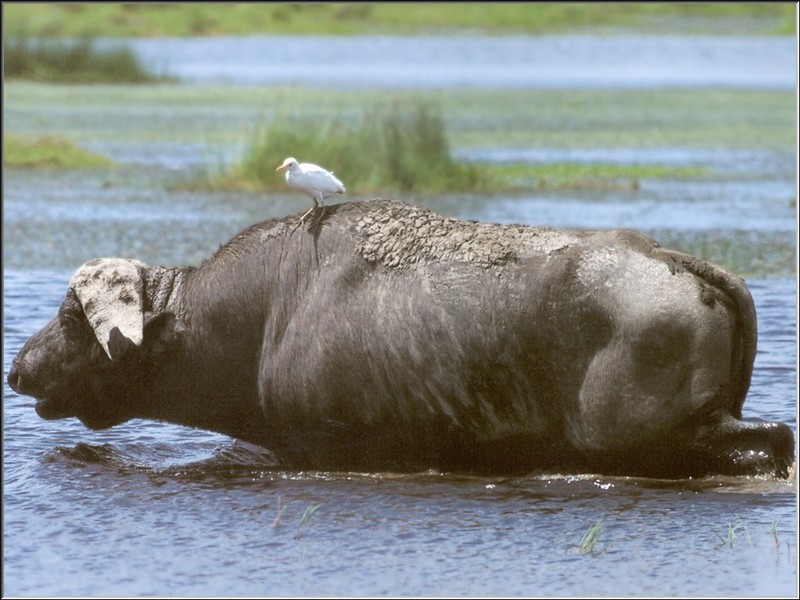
x: 382, y: 336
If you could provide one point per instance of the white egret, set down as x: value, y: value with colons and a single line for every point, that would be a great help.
x: 312, y: 180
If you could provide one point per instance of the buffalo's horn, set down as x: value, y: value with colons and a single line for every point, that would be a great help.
x: 110, y: 292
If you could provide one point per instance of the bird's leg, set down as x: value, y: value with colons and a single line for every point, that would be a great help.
x: 303, y: 218
x: 308, y: 212
x: 317, y: 202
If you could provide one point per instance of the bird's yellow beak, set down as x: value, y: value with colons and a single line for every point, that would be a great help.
x: 280, y: 167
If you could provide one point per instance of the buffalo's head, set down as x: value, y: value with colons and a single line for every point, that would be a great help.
x: 92, y: 360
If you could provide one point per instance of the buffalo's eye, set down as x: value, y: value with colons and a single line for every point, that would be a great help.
x: 72, y: 326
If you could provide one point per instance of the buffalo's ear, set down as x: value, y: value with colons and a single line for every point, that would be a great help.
x: 72, y: 320
x: 161, y: 332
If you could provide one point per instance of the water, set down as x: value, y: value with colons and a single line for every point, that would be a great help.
x: 475, y: 61
x: 154, y: 509
x: 148, y: 508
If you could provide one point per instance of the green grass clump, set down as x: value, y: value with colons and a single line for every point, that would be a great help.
x: 387, y: 149
x: 48, y: 152
x: 77, y: 61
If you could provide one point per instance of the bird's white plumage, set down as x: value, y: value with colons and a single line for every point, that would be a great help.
x: 312, y: 180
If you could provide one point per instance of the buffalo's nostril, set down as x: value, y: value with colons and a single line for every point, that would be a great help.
x: 13, y: 377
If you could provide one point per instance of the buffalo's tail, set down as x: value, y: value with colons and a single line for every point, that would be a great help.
x: 746, y: 330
